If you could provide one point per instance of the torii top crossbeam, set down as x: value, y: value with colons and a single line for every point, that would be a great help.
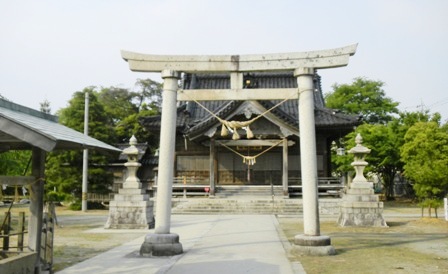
x: 236, y: 65
x: 319, y: 59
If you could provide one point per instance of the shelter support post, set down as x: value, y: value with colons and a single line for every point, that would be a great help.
x: 285, y: 168
x: 311, y: 242
x: 162, y: 242
x: 36, y: 205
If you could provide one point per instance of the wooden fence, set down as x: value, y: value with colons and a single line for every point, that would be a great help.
x: 10, y: 230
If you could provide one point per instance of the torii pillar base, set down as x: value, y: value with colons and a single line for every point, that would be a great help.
x: 161, y: 245
x: 313, y: 245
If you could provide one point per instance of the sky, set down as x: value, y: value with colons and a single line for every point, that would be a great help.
x: 50, y: 49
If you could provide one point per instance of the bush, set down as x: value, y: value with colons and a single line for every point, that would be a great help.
x: 53, y: 196
x: 77, y: 205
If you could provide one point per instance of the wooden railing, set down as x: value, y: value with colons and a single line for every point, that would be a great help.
x: 197, y: 186
x: 101, y: 198
x: 185, y: 186
x: 7, y: 231
x: 327, y: 186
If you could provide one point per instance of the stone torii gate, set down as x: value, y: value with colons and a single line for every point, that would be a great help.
x: 303, y: 64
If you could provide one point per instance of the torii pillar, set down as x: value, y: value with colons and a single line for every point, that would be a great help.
x: 303, y: 64
x: 163, y: 242
x: 310, y: 242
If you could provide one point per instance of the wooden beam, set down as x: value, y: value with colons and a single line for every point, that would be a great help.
x: 17, y: 180
x: 254, y: 142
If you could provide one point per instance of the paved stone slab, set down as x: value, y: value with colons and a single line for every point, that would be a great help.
x: 212, y: 244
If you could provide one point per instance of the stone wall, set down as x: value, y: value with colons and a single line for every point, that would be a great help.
x: 17, y: 263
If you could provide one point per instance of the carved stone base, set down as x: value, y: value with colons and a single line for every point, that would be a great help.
x: 362, y: 208
x: 130, y: 209
x: 313, y: 245
x: 161, y: 245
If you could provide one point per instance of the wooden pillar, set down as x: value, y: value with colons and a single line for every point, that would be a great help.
x: 212, y: 166
x: 36, y: 204
x: 285, y: 168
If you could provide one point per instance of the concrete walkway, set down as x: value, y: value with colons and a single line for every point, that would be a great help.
x: 212, y: 244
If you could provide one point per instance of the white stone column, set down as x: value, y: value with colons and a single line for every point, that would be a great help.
x: 311, y: 242
x: 166, y: 153
x: 308, y: 151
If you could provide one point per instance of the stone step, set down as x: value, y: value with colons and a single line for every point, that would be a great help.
x: 254, y: 205
x: 233, y: 191
x: 226, y: 206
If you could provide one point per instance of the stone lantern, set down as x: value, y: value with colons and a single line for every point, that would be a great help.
x: 132, y: 152
x: 359, y: 152
x: 131, y: 208
x: 360, y: 206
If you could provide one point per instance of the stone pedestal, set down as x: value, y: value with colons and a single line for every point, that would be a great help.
x: 361, y: 207
x: 131, y: 208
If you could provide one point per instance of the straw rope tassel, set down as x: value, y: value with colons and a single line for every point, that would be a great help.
x: 224, y: 131
x: 251, y: 160
x: 235, y: 125
x: 249, y: 133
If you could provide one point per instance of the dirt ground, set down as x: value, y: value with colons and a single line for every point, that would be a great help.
x: 410, y: 244
x: 74, y: 241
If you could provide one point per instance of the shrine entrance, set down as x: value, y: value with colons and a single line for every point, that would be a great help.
x: 302, y: 65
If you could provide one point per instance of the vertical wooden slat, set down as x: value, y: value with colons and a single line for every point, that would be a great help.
x: 6, y: 229
x: 21, y: 231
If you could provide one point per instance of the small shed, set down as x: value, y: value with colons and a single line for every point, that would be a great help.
x: 23, y: 128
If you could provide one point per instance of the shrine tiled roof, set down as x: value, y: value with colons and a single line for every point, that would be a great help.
x: 193, y: 118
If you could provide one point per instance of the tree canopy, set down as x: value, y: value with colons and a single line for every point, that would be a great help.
x: 425, y: 153
x: 363, y: 97
x: 113, y: 118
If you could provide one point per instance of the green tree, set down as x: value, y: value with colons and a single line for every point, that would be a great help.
x: 363, y: 97
x: 125, y: 108
x: 64, y: 168
x: 114, y: 115
x: 385, y: 141
x: 425, y: 154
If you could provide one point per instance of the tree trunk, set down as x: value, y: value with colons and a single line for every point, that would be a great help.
x: 388, y: 177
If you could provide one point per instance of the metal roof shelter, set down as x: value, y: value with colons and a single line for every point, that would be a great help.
x: 23, y: 128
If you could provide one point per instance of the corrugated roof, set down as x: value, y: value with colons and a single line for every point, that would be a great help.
x: 23, y: 128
